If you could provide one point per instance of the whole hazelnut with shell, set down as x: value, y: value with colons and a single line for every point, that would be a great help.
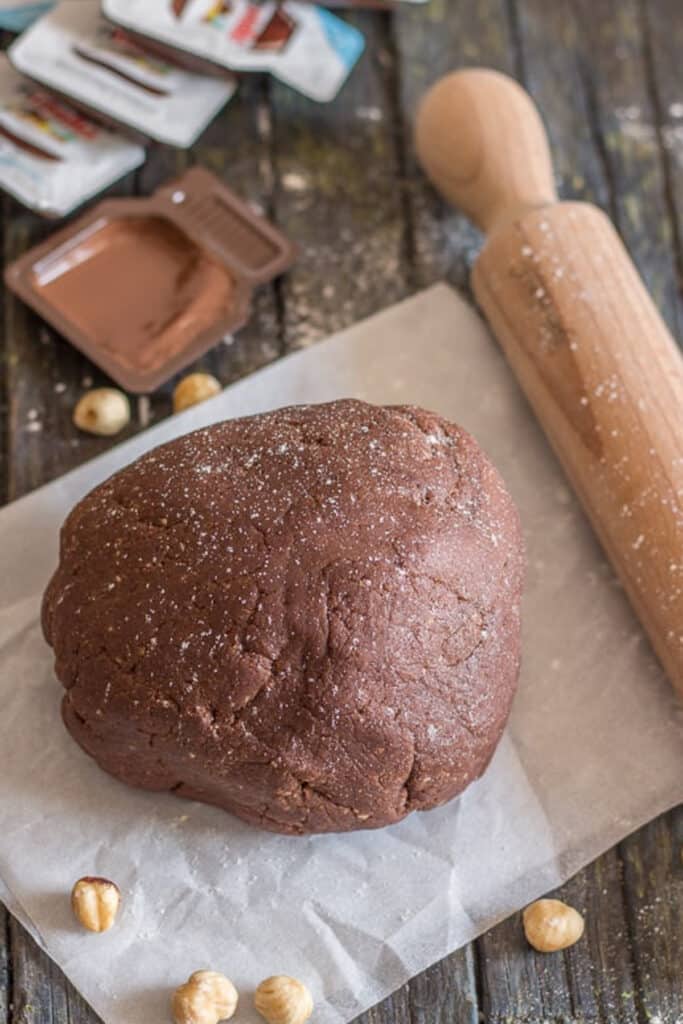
x: 551, y: 925
x: 102, y: 411
x: 193, y: 389
x: 207, y: 997
x: 283, y: 1000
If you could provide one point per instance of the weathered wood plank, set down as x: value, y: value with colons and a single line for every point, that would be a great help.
x: 592, y: 981
x: 518, y: 984
x: 625, y: 117
x: 5, y: 973
x: 444, y: 993
x: 5, y: 39
x: 395, y: 1009
x: 600, y: 968
x: 4, y: 390
x: 430, y: 42
x: 339, y: 194
x: 447, y: 992
x: 561, y: 88
x: 662, y: 28
x: 78, y: 1011
x: 32, y: 989
x: 653, y: 875
x: 41, y: 993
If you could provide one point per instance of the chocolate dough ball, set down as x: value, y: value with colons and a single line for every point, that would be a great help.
x: 310, y: 618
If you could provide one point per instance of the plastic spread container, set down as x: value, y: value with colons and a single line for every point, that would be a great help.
x: 145, y: 286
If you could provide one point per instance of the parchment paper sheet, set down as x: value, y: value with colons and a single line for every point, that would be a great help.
x: 595, y: 746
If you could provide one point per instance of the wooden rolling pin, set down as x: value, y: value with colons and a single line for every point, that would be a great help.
x: 590, y: 350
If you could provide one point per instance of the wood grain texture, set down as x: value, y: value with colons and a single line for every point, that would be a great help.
x: 41, y: 993
x: 339, y: 194
x: 625, y: 121
x: 429, y: 43
x: 662, y: 33
x: 563, y: 89
x: 447, y: 991
x: 653, y: 893
x: 593, y: 980
x: 5, y: 973
x: 268, y: 144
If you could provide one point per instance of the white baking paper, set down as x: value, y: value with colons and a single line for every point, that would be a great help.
x: 316, y: 59
x: 52, y: 158
x: 73, y: 50
x: 594, y: 748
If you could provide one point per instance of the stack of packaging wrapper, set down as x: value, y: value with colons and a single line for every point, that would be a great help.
x: 88, y: 85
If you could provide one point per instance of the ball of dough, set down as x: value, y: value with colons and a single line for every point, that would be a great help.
x: 310, y: 618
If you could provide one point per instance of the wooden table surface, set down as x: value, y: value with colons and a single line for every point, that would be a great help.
x: 342, y: 179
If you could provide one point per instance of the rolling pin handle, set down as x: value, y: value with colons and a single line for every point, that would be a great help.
x: 482, y: 142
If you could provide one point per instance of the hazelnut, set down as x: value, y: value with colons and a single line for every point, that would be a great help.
x: 283, y: 1000
x: 550, y: 925
x: 102, y: 411
x: 95, y: 902
x: 193, y: 389
x: 206, y: 998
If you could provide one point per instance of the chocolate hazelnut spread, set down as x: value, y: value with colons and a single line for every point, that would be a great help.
x: 145, y: 286
x: 166, y: 288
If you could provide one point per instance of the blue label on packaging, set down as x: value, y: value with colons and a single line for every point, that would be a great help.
x: 16, y: 19
x: 344, y: 39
